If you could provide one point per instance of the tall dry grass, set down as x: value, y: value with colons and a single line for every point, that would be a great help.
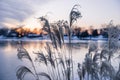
x: 97, y: 63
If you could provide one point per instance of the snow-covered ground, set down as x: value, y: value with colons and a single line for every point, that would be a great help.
x: 74, y: 39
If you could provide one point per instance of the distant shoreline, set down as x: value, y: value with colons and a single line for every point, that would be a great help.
x: 48, y: 40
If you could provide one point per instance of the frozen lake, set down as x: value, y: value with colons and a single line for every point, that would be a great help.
x: 9, y: 60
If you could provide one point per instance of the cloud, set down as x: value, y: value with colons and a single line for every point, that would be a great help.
x: 17, y: 10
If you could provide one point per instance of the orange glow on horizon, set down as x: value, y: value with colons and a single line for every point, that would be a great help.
x: 25, y: 30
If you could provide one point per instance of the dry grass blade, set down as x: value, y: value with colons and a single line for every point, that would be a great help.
x: 45, y: 75
x: 68, y: 73
x: 83, y: 70
x: 51, y: 62
x: 96, y: 57
x: 62, y: 62
x: 92, y: 47
x: 57, y: 34
x: 22, y: 71
x: 61, y: 33
x: 79, y: 71
x: 60, y: 25
x: 68, y: 69
x: 53, y: 39
x: 107, y: 69
x: 22, y: 53
x: 68, y: 62
x: 42, y: 57
x: 74, y: 14
x: 58, y: 37
x: 66, y: 26
x: 46, y: 25
x: 102, y: 55
x: 117, y: 77
x: 88, y: 63
x: 49, y: 56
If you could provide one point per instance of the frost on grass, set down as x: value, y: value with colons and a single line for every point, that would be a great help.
x: 97, y: 64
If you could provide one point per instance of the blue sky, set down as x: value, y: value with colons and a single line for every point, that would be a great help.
x: 24, y: 12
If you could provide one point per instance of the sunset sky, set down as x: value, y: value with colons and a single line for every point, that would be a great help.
x: 24, y: 12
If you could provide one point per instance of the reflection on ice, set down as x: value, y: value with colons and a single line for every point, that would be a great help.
x: 9, y: 61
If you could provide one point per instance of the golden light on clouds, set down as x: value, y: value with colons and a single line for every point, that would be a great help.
x: 32, y: 23
x: 9, y: 25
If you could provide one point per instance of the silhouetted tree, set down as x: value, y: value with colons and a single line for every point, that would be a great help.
x: 77, y: 32
x: 3, y: 31
x: 95, y: 33
x: 84, y: 34
x: 12, y: 33
x: 104, y: 33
